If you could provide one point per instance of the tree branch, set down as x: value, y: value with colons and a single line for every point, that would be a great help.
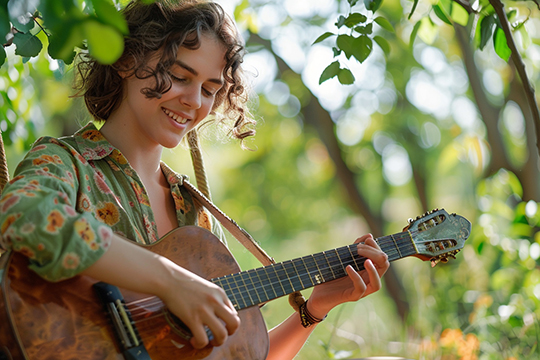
x: 466, y: 5
x: 520, y: 66
x: 320, y: 119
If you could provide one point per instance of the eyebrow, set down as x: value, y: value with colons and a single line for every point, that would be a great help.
x: 194, y: 72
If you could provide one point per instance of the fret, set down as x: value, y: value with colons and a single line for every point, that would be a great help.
x: 335, y: 264
x: 250, y: 290
x: 323, y: 266
x: 283, y: 279
x: 272, y: 281
x: 354, y: 256
x: 293, y: 275
x: 314, y: 270
x: 395, y: 243
x: 303, y: 271
x: 340, y: 270
x: 239, y: 289
x: 259, y: 284
x: 325, y: 256
x: 407, y: 238
x: 231, y: 289
x: 345, y: 256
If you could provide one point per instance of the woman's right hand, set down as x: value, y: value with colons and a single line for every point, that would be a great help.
x: 195, y: 301
x: 199, y: 303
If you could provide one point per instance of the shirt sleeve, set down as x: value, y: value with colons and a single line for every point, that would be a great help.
x: 42, y: 213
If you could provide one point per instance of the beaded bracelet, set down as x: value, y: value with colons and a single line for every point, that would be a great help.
x: 306, y: 318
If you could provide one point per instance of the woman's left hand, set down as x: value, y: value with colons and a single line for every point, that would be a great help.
x: 354, y: 286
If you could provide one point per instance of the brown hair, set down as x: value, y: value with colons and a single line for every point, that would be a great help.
x: 161, y: 28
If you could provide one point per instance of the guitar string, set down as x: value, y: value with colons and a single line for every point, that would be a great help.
x: 140, y: 314
x: 309, y: 273
x: 232, y: 289
x: 151, y: 329
x: 383, y: 242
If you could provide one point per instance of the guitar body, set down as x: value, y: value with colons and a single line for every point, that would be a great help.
x: 65, y: 320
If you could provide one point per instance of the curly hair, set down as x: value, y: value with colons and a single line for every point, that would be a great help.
x: 162, y: 28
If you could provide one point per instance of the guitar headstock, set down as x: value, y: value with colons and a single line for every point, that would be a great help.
x: 437, y: 235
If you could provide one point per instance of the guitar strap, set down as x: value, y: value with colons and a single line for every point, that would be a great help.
x: 203, y: 197
x: 239, y: 233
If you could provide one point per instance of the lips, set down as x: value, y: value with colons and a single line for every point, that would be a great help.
x: 179, y: 119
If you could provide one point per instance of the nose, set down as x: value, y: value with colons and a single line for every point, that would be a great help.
x: 191, y: 98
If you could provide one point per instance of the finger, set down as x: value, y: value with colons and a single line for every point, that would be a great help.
x: 374, y: 278
x: 217, y: 329
x: 371, y: 242
x: 358, y: 283
x: 373, y: 252
x: 363, y: 238
x: 200, y: 338
x: 230, y: 318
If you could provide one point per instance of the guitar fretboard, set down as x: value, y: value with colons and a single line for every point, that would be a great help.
x: 256, y: 286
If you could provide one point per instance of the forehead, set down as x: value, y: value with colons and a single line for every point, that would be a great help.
x: 208, y: 58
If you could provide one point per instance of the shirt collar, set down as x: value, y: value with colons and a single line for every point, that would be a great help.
x: 92, y: 144
x: 172, y: 176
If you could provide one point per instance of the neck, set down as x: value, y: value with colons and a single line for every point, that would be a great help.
x: 142, y: 156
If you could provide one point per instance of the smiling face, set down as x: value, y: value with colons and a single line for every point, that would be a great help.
x: 197, y: 75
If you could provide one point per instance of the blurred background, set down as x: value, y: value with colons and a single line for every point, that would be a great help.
x: 429, y: 113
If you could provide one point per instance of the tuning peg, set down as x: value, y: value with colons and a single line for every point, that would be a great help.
x: 434, y: 262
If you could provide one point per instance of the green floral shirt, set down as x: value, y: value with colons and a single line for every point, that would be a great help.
x: 69, y: 194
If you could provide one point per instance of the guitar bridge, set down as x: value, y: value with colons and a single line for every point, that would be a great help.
x: 126, y: 333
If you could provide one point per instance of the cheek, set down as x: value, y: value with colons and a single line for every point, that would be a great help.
x: 208, y: 105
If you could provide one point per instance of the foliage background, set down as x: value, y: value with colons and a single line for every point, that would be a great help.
x: 432, y: 117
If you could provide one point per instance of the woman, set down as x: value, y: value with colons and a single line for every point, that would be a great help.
x: 73, y: 200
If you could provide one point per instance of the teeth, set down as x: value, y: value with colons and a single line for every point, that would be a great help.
x: 176, y: 117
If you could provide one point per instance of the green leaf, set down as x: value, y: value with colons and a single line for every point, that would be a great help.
x: 346, y: 44
x: 428, y: 31
x: 25, y: 25
x: 354, y: 19
x: 336, y: 51
x: 446, y: 6
x: 345, y: 77
x: 459, y: 14
x: 373, y: 5
x: 352, y: 2
x: 63, y: 43
x: 107, y: 13
x: 2, y: 56
x: 511, y: 14
x: 385, y: 24
x: 501, y: 47
x: 340, y: 21
x: 362, y: 48
x: 486, y: 30
x: 323, y: 37
x: 525, y: 38
x: 330, y: 71
x: 365, y: 30
x: 382, y: 43
x: 441, y: 14
x: 414, y: 32
x: 105, y: 43
x: 20, y: 14
x: 5, y: 26
x: 415, y: 4
x: 27, y: 44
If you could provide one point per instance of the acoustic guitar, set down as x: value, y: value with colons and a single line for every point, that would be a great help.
x: 80, y: 318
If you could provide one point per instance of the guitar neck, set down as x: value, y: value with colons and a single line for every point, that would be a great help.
x: 257, y: 286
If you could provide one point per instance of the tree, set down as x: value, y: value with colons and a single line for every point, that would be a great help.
x: 382, y: 110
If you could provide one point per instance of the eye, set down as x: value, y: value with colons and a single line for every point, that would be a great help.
x: 208, y: 92
x: 177, y: 79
